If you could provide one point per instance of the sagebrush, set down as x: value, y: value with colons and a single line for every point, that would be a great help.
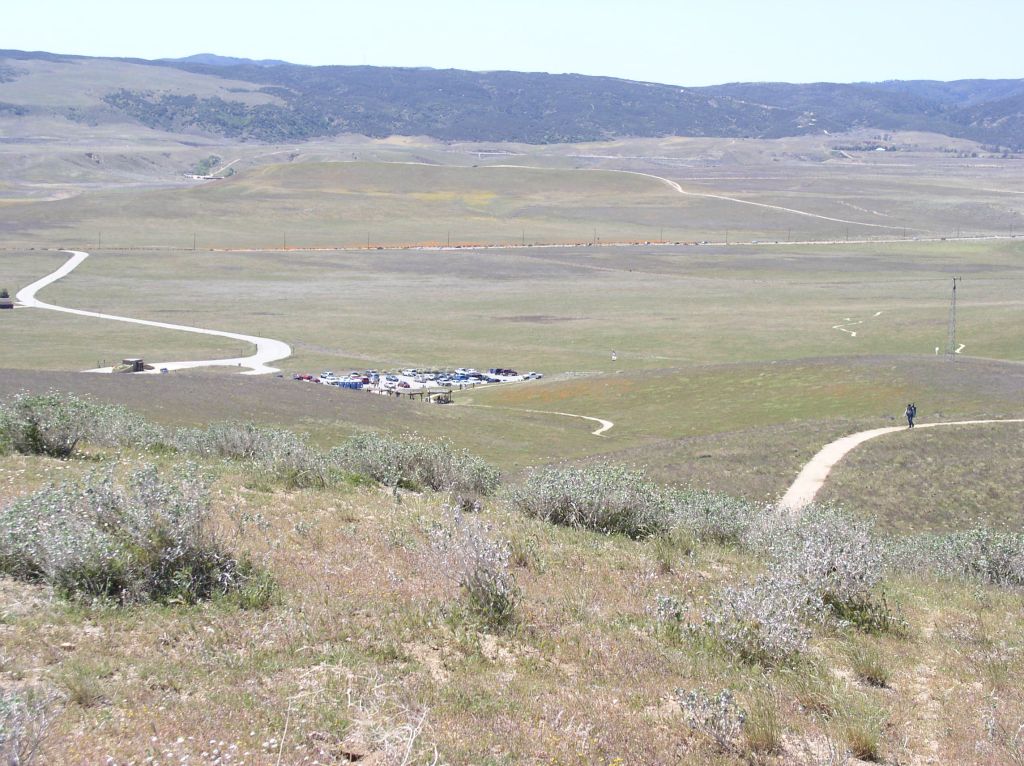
x: 145, y: 537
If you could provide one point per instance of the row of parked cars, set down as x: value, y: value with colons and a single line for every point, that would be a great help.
x: 413, y: 378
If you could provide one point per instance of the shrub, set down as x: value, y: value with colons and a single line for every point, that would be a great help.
x: 604, y: 498
x: 45, y: 424
x: 144, y: 539
x: 713, y: 516
x: 763, y: 623
x: 996, y: 558
x: 413, y: 462
x: 25, y: 718
x: 481, y: 566
x: 55, y: 423
x: 717, y: 718
x: 4, y: 293
x: 837, y: 558
x: 278, y: 454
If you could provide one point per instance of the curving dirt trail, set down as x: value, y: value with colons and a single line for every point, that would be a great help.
x: 267, y: 349
x: 811, y: 479
x: 604, y: 425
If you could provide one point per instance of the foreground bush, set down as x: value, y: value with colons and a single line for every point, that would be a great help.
x: 822, y: 565
x: 144, y: 539
x: 982, y: 555
x: 719, y: 718
x: 713, y: 516
x: 604, y: 498
x: 836, y: 557
x: 276, y: 454
x: 763, y: 623
x: 481, y: 566
x: 44, y: 424
x: 56, y: 423
x: 415, y: 463
x: 25, y: 718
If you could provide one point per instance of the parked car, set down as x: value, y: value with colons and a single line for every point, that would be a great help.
x: 404, y: 384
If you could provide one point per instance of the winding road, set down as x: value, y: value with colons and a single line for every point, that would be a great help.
x: 811, y: 479
x: 267, y: 349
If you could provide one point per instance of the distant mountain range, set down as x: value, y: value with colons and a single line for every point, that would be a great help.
x: 303, y: 102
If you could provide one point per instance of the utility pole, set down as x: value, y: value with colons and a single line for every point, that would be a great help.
x: 194, y: 237
x: 99, y: 241
x: 951, y: 341
x: 727, y: 236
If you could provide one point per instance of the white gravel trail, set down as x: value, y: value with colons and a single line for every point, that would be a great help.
x: 267, y: 349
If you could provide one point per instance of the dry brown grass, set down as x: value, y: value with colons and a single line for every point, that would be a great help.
x: 370, y: 647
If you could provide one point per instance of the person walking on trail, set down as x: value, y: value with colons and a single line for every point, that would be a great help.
x: 911, y: 413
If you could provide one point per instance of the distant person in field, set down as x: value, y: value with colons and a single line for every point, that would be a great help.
x: 911, y: 413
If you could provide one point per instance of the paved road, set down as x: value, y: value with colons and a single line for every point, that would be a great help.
x: 811, y: 479
x: 267, y: 349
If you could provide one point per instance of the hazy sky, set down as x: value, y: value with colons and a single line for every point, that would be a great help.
x: 683, y: 42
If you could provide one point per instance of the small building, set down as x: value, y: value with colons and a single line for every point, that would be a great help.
x: 133, y: 365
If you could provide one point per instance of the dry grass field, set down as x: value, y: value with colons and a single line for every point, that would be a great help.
x: 712, y: 340
x: 812, y: 312
x: 377, y: 653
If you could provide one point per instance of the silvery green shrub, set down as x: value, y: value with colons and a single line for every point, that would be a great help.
x: 144, y: 538
x: 983, y: 555
x: 45, y: 424
x: 719, y: 717
x: 25, y: 717
x: 765, y: 622
x: 834, y: 554
x: 604, y: 498
x: 713, y: 516
x: 55, y: 423
x: 481, y: 566
x: 413, y: 462
x: 274, y: 453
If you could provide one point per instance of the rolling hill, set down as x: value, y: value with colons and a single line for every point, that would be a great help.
x: 272, y: 101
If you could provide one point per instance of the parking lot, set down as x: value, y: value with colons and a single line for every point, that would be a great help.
x: 424, y: 381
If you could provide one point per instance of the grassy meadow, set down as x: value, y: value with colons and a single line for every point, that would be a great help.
x: 717, y: 344
x: 735, y: 363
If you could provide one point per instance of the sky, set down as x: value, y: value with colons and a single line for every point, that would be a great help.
x: 681, y: 42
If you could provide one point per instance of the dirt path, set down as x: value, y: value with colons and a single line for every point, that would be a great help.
x: 604, y: 425
x: 739, y: 201
x: 267, y: 349
x: 807, y: 483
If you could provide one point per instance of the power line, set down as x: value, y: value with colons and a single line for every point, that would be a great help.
x: 951, y: 341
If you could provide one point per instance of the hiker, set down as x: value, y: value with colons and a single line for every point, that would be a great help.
x: 911, y: 413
